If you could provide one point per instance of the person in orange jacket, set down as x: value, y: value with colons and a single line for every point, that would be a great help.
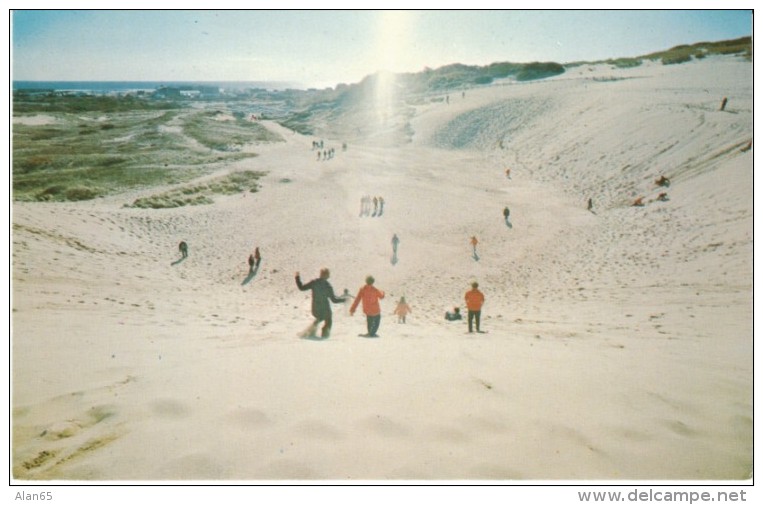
x: 474, y: 300
x: 370, y: 297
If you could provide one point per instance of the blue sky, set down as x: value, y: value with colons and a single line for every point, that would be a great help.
x: 323, y: 48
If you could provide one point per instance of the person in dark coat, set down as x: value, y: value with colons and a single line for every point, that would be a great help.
x: 321, y: 308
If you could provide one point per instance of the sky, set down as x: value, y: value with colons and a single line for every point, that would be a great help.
x: 321, y: 48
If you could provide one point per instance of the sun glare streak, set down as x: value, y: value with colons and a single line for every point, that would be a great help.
x: 392, y: 40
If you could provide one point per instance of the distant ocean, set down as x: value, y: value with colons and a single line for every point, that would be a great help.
x: 106, y: 87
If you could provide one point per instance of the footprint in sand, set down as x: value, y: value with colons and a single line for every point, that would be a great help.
x: 63, y: 441
x: 169, y: 409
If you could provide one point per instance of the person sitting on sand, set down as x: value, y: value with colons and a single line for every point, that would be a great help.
x: 321, y: 309
x: 370, y: 297
x: 663, y: 181
x: 453, y: 316
x: 402, y: 310
x: 183, y: 247
x: 638, y: 202
x: 663, y: 197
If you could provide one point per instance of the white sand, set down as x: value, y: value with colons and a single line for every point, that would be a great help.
x: 36, y: 120
x: 619, y: 344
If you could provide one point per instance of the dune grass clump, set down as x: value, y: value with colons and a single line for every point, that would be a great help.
x: 533, y: 71
x: 212, y: 130
x: 685, y: 53
x: 201, y: 194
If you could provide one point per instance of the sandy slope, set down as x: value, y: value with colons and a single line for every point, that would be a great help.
x: 619, y: 343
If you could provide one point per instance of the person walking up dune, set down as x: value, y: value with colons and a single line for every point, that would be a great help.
x: 395, y: 243
x: 183, y: 248
x: 506, y: 213
x: 321, y: 309
x: 474, y: 243
x: 370, y: 297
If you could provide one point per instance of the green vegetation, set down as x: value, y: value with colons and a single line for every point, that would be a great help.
x: 533, y: 71
x: 92, y: 153
x: 200, y: 194
x: 35, y: 102
x: 684, y: 53
x: 216, y: 131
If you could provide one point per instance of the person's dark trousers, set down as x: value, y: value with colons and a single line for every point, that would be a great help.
x: 474, y: 315
x: 373, y: 324
x: 326, y: 331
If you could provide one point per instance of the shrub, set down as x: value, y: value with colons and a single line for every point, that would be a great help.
x: 676, y: 59
x: 533, y: 71
x: 77, y: 193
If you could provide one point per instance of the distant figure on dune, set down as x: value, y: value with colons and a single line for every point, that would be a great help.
x: 506, y: 213
x: 723, y: 103
x: 474, y: 300
x: 663, y: 197
x: 257, y: 257
x: 474, y: 243
x: 183, y: 247
x: 370, y: 297
x: 251, y: 263
x: 402, y: 310
x: 381, y: 206
x: 638, y: 202
x: 663, y: 181
x: 508, y: 171
x: 395, y: 243
x: 453, y: 316
x: 365, y: 205
x: 321, y: 309
x: 376, y: 207
x: 590, y: 204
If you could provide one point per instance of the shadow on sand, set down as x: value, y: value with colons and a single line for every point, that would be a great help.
x: 252, y: 275
x: 476, y: 258
x: 394, y: 259
x: 178, y: 261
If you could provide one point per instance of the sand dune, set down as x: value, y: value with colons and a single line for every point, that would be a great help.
x: 619, y: 341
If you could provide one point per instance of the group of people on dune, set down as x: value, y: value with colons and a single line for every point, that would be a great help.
x: 369, y: 297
